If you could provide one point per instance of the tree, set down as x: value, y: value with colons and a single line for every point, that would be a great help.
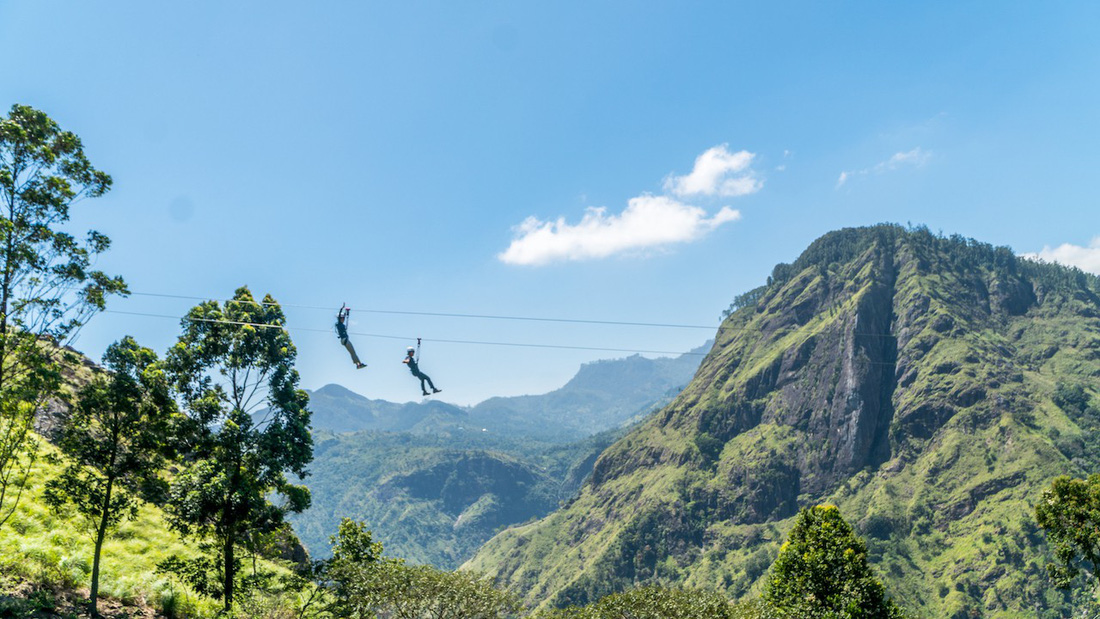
x: 47, y: 287
x: 1069, y: 511
x: 233, y: 361
x: 655, y: 602
x: 114, y: 438
x: 364, y: 584
x: 822, y: 572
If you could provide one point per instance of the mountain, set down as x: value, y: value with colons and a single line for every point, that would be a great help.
x: 601, y: 396
x: 912, y: 380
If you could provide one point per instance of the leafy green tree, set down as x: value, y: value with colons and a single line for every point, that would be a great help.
x: 48, y: 289
x: 822, y: 572
x: 115, y: 440
x: 232, y: 362
x: 655, y: 602
x: 1069, y: 511
x: 365, y: 584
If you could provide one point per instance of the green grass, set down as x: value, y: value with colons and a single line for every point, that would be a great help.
x: 53, y: 551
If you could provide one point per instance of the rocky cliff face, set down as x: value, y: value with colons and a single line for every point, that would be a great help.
x: 905, y: 377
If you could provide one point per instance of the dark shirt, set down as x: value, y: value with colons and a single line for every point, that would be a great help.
x: 341, y: 330
x: 412, y: 365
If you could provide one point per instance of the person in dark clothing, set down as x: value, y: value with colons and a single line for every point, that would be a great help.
x: 342, y: 333
x: 410, y: 360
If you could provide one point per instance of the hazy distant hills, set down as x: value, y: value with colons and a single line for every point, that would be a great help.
x: 433, y: 486
x: 337, y: 409
x: 912, y: 380
x: 602, y: 395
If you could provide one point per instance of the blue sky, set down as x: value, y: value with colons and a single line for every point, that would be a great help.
x: 389, y: 155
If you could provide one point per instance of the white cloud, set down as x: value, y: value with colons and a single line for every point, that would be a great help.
x: 717, y: 172
x: 1084, y: 258
x: 647, y: 222
x: 916, y: 158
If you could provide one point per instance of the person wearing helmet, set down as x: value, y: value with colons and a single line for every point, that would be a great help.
x: 342, y: 333
x: 410, y: 360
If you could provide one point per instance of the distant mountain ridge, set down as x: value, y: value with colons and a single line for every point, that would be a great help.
x: 601, y: 396
x: 908, y: 378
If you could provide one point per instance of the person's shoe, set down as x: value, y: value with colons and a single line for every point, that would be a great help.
x: 434, y: 390
x: 360, y: 366
x: 426, y: 393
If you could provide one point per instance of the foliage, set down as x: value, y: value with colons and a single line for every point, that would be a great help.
x: 365, y: 584
x: 745, y: 299
x: 822, y: 571
x: 115, y: 439
x: 231, y: 360
x: 1070, y: 513
x: 48, y: 289
x: 655, y: 602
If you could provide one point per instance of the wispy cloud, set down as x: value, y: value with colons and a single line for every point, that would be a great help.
x: 717, y: 172
x: 1084, y: 258
x: 915, y: 158
x: 648, y: 221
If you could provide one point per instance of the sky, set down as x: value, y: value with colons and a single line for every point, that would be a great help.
x: 604, y: 161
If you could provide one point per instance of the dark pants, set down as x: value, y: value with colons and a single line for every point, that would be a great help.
x: 351, y: 349
x: 424, y: 377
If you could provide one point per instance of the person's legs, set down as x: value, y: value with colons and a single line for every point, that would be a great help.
x: 351, y: 350
x: 424, y: 377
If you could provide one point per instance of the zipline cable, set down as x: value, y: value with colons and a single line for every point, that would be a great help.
x: 716, y: 328
x: 444, y: 341
x: 397, y: 337
x: 446, y: 314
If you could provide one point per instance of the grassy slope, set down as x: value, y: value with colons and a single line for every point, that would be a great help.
x: 39, y: 546
x: 947, y: 514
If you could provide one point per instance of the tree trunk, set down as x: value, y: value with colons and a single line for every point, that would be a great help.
x: 228, y: 571
x: 100, y: 534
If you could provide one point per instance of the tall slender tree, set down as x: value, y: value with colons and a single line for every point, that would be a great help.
x: 249, y: 425
x: 115, y: 439
x: 48, y: 289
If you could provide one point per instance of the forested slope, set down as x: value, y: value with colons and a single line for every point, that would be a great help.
x: 910, y: 379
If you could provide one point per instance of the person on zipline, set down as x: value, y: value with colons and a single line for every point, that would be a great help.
x: 410, y: 360
x: 342, y: 333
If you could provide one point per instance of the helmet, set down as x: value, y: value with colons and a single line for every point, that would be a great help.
x: 410, y: 349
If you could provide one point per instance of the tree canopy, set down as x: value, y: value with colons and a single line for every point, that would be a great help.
x: 822, y: 572
x: 48, y: 288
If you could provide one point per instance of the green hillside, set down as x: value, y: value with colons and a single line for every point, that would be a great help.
x: 435, y: 498
x: 51, y: 552
x: 909, y: 379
